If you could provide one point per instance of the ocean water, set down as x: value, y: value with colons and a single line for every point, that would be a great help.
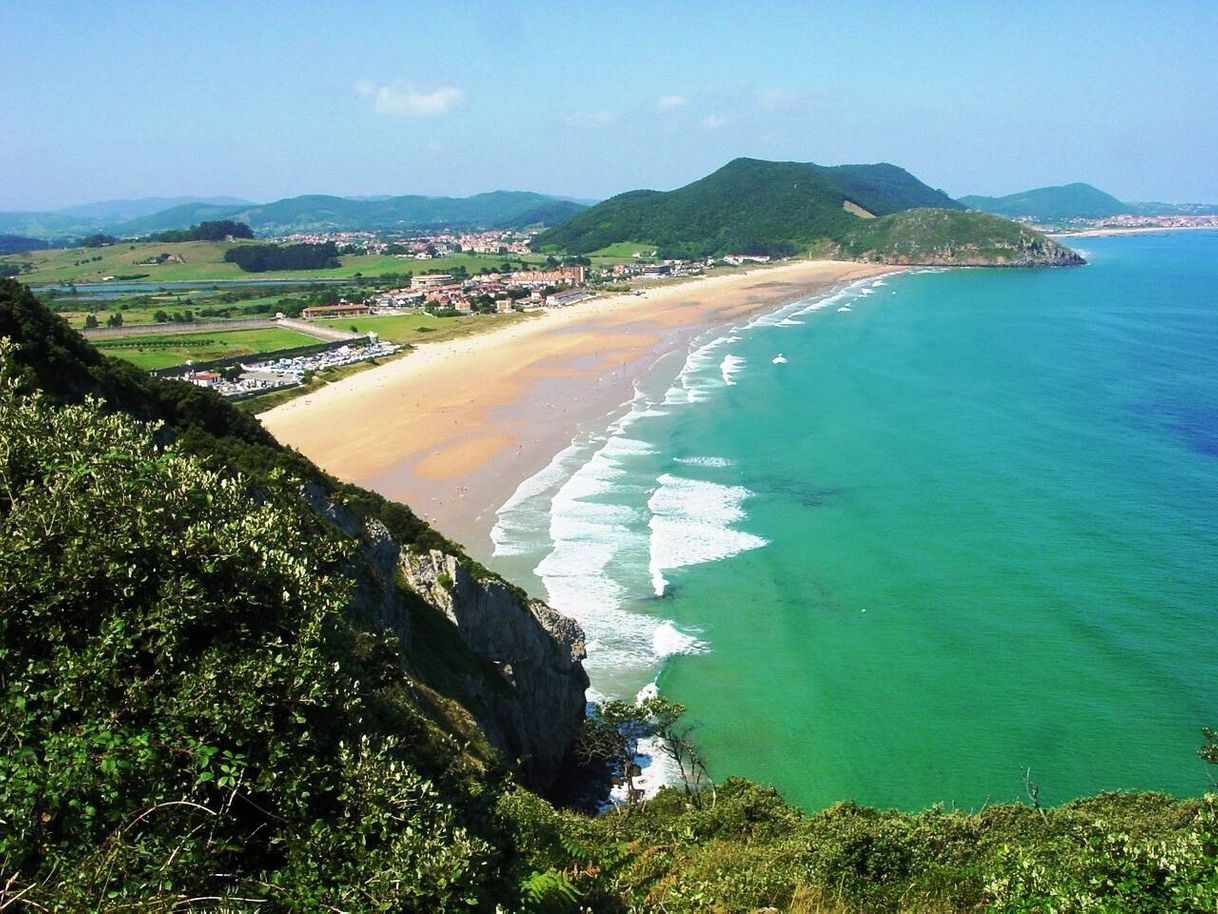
x: 906, y: 543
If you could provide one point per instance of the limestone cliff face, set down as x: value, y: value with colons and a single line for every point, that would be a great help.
x: 521, y: 676
x: 374, y: 564
x: 535, y: 712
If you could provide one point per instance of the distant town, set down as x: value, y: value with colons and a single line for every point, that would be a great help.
x: 556, y: 284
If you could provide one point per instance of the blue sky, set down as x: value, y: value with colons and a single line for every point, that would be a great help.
x: 105, y: 100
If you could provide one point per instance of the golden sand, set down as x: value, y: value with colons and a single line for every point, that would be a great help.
x: 454, y: 427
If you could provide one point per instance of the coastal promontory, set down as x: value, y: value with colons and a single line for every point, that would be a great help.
x: 879, y: 213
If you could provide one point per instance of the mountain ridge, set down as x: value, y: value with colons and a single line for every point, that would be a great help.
x: 1065, y: 201
x: 747, y: 206
x: 307, y: 213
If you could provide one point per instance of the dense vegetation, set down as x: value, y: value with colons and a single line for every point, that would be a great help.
x: 949, y: 237
x: 260, y: 258
x: 1052, y: 204
x: 746, y: 207
x: 315, y: 212
x: 15, y: 244
x: 219, y: 230
x: 320, y: 212
x: 197, y: 715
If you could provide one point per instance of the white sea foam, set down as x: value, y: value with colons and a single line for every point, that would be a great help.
x: 730, y: 367
x: 525, y: 517
x: 689, y: 525
x: 704, y: 461
x: 668, y: 641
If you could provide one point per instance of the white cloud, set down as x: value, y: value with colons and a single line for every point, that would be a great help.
x: 409, y: 100
x: 669, y: 102
x: 714, y: 122
x: 590, y: 120
x: 775, y: 98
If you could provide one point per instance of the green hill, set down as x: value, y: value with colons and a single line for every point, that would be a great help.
x: 1052, y: 204
x: 17, y: 244
x: 952, y: 238
x: 319, y: 212
x: 310, y: 213
x: 748, y: 206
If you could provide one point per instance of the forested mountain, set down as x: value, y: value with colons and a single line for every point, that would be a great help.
x: 118, y: 211
x: 15, y: 244
x: 311, y: 213
x: 1053, y: 204
x: 748, y: 206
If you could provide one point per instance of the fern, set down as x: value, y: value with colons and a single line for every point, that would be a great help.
x: 551, y: 892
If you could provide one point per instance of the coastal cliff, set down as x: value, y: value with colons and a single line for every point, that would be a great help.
x: 505, y: 671
x: 534, y: 711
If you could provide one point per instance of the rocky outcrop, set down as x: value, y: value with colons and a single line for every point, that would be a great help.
x: 1028, y: 251
x: 374, y: 564
x: 535, y: 708
x: 949, y: 238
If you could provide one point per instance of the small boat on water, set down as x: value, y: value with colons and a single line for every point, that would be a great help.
x: 780, y: 359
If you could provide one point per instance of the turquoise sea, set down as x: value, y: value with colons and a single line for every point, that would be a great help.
x: 902, y: 544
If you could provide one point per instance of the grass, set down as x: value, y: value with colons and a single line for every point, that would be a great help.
x: 417, y: 328
x: 204, y: 260
x: 625, y: 250
x: 200, y: 260
x: 153, y: 352
x: 380, y: 264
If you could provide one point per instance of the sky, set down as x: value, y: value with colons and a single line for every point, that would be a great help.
x: 112, y: 100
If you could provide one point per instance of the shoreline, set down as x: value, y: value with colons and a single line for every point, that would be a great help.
x: 1144, y: 230
x: 452, y: 429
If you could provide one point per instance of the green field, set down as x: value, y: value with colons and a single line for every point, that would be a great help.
x: 153, y: 352
x: 417, y: 328
x: 625, y: 250
x: 204, y: 260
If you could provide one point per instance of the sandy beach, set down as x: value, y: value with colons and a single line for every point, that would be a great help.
x: 1141, y: 230
x: 454, y: 427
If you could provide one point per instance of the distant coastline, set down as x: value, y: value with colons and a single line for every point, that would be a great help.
x: 1145, y: 230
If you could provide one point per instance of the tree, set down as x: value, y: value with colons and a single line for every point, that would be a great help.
x: 160, y: 316
x: 187, y: 712
x: 90, y: 321
x: 115, y: 319
x: 1209, y: 751
x: 611, y: 736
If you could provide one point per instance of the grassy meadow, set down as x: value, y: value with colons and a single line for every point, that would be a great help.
x: 152, y: 352
x: 204, y: 260
x: 421, y: 327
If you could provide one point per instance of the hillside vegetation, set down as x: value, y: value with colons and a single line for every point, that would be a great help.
x: 951, y: 238
x: 309, y: 213
x: 1052, y: 204
x: 748, y: 206
x: 202, y: 260
x: 210, y: 702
